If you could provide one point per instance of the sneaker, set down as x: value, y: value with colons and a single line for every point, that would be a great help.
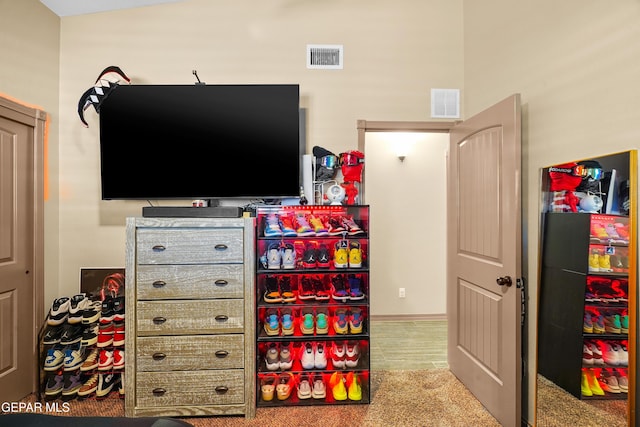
x: 272, y: 322
x: 596, y: 354
x: 54, y: 359
x: 320, y: 291
x: 338, y: 390
x: 352, y: 356
x: 354, y: 386
x: 584, y: 385
x: 339, y: 354
x: 598, y: 326
x: 305, y: 290
x: 623, y: 354
x: 106, y: 383
x: 318, y: 226
x: 594, y: 385
x: 594, y: 263
x: 73, y: 358
x: 340, y: 321
x: 286, y: 319
x: 118, y: 335
x: 623, y: 381
x: 335, y: 227
x: 272, y: 226
x: 288, y: 257
x: 355, y: 288
x: 285, y: 289
x: 55, y: 383
x: 355, y: 320
x: 268, y: 387
x: 610, y: 354
x: 310, y: 257
x: 105, y: 338
x: 612, y: 323
x: 92, y: 312
x: 338, y: 288
x: 272, y: 357
x: 72, y: 384
x: 307, y: 359
x: 285, y: 384
x: 77, y: 304
x: 324, y: 260
x: 320, y: 356
x: 274, y: 257
x: 286, y: 358
x: 71, y: 334
x: 89, y: 386
x: 90, y: 335
x: 52, y: 335
x: 118, y: 359
x: 587, y: 355
x: 319, y: 389
x: 105, y: 361
x: 307, y: 321
x: 340, y: 254
x: 624, y: 324
x: 106, y: 312
x: 587, y: 324
x: 608, y: 381
x: 286, y: 224
x: 118, y: 309
x: 355, y: 255
x: 302, y: 225
x: 604, y: 262
x: 322, y: 321
x: 304, y: 387
x: 272, y: 291
x: 350, y: 225
x: 91, y: 361
x: 59, y: 311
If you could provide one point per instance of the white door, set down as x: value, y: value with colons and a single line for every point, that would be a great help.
x: 484, y: 258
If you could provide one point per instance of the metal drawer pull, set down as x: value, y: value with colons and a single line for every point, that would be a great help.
x: 222, y: 318
x: 158, y: 391
x: 158, y: 248
x: 159, y: 284
x: 221, y: 247
x: 158, y: 356
x: 221, y: 389
x: 221, y: 353
x: 159, y: 320
x: 221, y: 282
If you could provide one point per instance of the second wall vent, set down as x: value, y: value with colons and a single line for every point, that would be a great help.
x: 325, y: 56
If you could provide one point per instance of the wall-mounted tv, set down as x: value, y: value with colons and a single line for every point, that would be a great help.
x: 201, y: 142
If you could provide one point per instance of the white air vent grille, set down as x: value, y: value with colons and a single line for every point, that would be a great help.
x: 445, y: 103
x: 325, y: 56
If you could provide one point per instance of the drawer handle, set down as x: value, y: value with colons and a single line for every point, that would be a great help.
x: 222, y: 354
x: 222, y: 389
x: 159, y: 284
x: 158, y: 391
x: 158, y: 248
x: 158, y: 356
x: 221, y: 247
x: 221, y: 282
x: 159, y: 320
x: 222, y: 318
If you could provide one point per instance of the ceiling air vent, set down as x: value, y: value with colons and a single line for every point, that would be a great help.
x: 325, y: 56
x: 445, y: 103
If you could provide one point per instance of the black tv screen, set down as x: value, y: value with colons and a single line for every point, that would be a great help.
x: 200, y: 142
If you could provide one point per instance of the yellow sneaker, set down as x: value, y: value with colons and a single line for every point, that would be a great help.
x: 341, y: 255
x: 604, y: 262
x: 594, y: 262
x: 586, y: 390
x: 338, y: 389
x: 355, y: 388
x: 593, y: 383
x: 355, y: 255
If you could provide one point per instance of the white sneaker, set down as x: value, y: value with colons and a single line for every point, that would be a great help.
x: 597, y: 354
x: 623, y: 355
x: 338, y: 354
x: 319, y: 389
x: 77, y: 304
x: 610, y: 355
x: 308, y: 359
x: 274, y: 257
x: 59, y: 311
x: 286, y: 360
x: 272, y: 358
x: 320, y: 356
x: 353, y: 354
x: 587, y: 355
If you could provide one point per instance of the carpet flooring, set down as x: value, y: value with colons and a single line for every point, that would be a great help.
x: 399, y: 398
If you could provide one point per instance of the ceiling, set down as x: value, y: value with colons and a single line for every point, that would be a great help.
x: 81, y: 7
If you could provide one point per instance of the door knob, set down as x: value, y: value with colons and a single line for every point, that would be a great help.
x: 504, y: 281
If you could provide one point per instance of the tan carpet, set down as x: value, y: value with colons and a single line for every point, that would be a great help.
x: 431, y: 397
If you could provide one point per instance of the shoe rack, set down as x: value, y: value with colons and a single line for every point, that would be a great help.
x: 584, y: 304
x: 312, y: 305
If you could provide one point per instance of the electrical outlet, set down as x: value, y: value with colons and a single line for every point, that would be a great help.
x: 401, y: 293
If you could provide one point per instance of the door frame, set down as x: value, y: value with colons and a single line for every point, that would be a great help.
x: 37, y: 120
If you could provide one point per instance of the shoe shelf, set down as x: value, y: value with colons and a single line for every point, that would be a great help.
x: 312, y: 306
x: 584, y: 304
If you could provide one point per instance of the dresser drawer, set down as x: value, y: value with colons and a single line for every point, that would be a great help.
x: 190, y: 352
x: 165, y: 389
x: 185, y: 317
x: 189, y: 246
x: 190, y: 281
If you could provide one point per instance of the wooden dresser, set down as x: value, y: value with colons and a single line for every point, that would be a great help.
x: 190, y: 339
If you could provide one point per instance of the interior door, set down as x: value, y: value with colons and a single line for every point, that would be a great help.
x: 484, y: 258
x: 21, y: 247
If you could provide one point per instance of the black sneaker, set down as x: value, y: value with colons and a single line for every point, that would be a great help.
x: 55, y: 383
x: 310, y: 256
x: 106, y: 315
x: 72, y: 384
x: 59, y: 311
x: 106, y: 383
x: 71, y: 334
x: 90, y: 334
x: 323, y: 256
x: 52, y: 335
x: 118, y: 309
x: 92, y: 312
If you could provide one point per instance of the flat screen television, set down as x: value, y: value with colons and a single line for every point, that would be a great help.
x: 200, y: 142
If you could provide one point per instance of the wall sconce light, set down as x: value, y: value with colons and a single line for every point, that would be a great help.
x: 401, y: 157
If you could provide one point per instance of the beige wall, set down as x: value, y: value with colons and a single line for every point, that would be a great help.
x: 576, y: 64
x: 29, y: 73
